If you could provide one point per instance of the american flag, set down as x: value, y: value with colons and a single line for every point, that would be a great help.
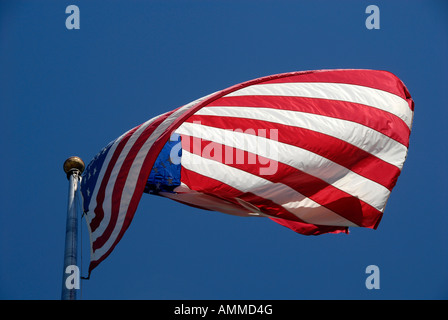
x: 315, y: 151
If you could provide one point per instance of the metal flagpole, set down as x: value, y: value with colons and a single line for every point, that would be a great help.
x: 73, y: 167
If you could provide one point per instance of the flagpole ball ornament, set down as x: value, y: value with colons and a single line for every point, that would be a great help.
x: 73, y: 164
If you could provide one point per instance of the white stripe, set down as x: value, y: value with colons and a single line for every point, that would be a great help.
x: 293, y: 201
x: 134, y: 172
x: 365, y: 138
x: 110, y: 153
x: 340, y: 177
x: 107, y: 203
x: 335, y: 91
x: 92, y: 205
x: 185, y: 194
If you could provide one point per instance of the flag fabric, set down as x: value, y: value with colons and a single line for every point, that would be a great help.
x: 315, y: 151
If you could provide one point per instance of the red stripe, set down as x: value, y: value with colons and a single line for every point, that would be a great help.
x: 376, y: 119
x: 377, y: 79
x: 121, y: 181
x: 326, y: 195
x: 304, y: 229
x: 141, y: 181
x: 268, y: 207
x: 99, y: 212
x: 191, y: 205
x: 148, y: 163
x: 334, y: 149
x: 283, y: 217
x: 144, y: 173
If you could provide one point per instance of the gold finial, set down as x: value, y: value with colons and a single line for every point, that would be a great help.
x: 73, y: 164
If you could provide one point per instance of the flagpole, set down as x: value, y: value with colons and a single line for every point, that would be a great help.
x: 73, y: 167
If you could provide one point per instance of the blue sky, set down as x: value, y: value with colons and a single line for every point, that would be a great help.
x: 70, y: 92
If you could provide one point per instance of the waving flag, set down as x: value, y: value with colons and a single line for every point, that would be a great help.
x: 315, y: 151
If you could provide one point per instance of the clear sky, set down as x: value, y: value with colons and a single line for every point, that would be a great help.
x: 70, y: 92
